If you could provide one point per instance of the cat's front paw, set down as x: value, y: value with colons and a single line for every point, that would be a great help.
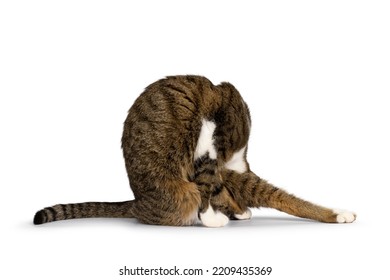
x: 344, y: 216
x: 212, y: 218
x: 244, y: 216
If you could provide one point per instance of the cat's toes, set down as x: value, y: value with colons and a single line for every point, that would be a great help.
x: 212, y: 218
x: 244, y: 216
x: 344, y: 216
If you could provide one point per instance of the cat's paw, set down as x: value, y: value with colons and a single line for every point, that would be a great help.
x: 244, y: 216
x: 212, y: 218
x: 344, y: 216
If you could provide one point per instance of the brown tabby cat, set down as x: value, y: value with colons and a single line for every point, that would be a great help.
x: 185, y: 142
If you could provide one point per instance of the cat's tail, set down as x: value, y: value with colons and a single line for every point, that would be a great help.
x: 60, y: 212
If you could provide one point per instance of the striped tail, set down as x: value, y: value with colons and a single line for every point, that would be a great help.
x: 85, y: 210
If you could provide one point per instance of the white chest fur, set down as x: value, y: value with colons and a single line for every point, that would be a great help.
x: 206, y: 140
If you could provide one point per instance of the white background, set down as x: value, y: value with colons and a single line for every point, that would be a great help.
x: 314, y: 73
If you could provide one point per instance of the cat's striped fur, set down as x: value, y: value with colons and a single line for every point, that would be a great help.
x: 184, y: 144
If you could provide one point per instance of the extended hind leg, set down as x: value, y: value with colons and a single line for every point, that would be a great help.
x: 253, y: 191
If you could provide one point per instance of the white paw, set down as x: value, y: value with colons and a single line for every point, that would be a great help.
x: 344, y: 216
x: 212, y: 218
x: 244, y: 216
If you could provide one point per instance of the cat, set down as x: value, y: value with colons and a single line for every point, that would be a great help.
x: 185, y: 144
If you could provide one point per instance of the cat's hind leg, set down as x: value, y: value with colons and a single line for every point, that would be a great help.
x: 171, y: 203
x: 251, y: 190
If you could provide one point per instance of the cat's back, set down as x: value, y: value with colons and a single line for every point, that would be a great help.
x: 163, y: 124
x: 174, y: 98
